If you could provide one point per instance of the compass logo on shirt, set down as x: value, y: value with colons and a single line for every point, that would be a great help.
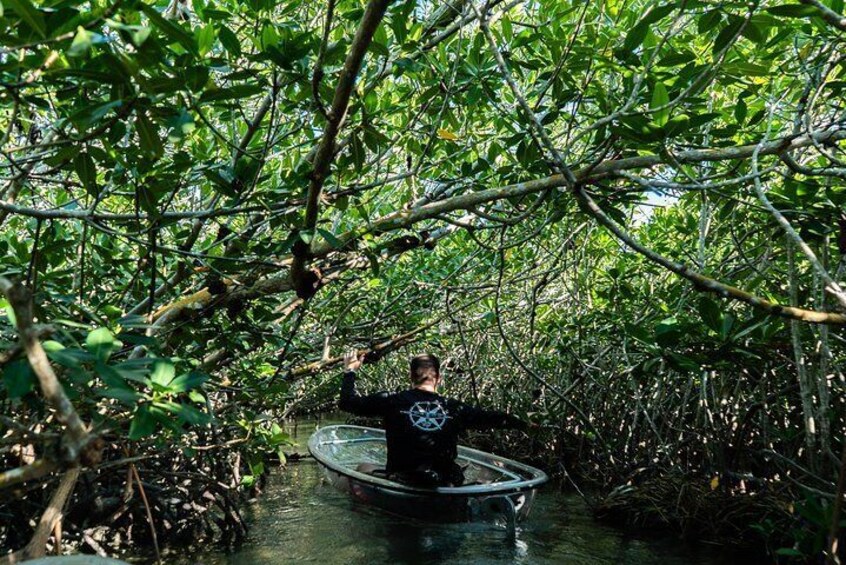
x: 427, y: 416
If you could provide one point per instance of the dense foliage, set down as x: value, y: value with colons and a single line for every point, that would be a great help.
x: 622, y: 220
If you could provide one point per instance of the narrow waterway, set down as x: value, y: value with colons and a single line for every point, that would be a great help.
x: 300, y: 518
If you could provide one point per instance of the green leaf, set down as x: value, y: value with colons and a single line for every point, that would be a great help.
x: 110, y: 376
x: 10, y: 312
x: 86, y: 170
x: 256, y: 465
x: 702, y: 119
x: 330, y: 238
x: 143, y: 424
x: 18, y: 378
x: 133, y: 370
x: 188, y: 381
x: 191, y: 415
x: 684, y: 362
x: 638, y: 32
x: 230, y: 41
x: 269, y: 37
x: 140, y: 35
x: 181, y: 125
x: 507, y: 30
x: 745, y: 68
x: 148, y: 136
x: 163, y: 373
x: 635, y: 36
x: 213, y: 14
x: 235, y: 92
x: 205, y: 39
x: 754, y: 32
x: 793, y: 11
x: 678, y: 124
x: 28, y: 13
x: 171, y: 30
x: 379, y: 45
x: 52, y: 345
x: 68, y: 358
x: 726, y: 34
x: 90, y: 115
x: 185, y: 412
x: 667, y: 332
x: 148, y: 200
x: 740, y: 111
x: 660, y: 98
x: 711, y: 313
x: 306, y: 236
x: 122, y: 395
x: 728, y: 323
x: 81, y: 43
x: 102, y: 343
x: 357, y: 151
x: 676, y: 58
x: 194, y: 78
x: 708, y: 21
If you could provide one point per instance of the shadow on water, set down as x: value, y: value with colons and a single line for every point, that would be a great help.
x: 300, y: 518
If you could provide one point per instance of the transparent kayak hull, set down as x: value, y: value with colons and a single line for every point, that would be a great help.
x: 495, y: 488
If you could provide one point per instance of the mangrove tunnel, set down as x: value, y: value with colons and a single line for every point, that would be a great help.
x: 620, y: 221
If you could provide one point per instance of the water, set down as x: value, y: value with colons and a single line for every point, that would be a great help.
x: 301, y: 519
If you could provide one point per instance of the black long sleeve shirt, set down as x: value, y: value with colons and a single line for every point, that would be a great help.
x: 421, y: 427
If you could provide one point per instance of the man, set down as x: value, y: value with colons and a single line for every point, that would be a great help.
x: 421, y: 426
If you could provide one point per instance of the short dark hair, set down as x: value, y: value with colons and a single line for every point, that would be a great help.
x: 424, y: 367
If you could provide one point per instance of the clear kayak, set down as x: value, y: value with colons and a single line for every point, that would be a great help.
x: 495, y: 487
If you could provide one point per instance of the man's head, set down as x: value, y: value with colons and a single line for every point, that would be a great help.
x: 425, y: 368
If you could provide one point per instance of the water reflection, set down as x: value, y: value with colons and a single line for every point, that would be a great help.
x: 409, y: 543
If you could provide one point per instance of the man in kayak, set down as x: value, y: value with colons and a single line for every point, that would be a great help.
x: 421, y: 426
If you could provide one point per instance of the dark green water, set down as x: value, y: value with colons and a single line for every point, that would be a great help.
x: 300, y: 519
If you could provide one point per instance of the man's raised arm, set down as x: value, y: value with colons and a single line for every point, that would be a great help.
x: 351, y: 400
